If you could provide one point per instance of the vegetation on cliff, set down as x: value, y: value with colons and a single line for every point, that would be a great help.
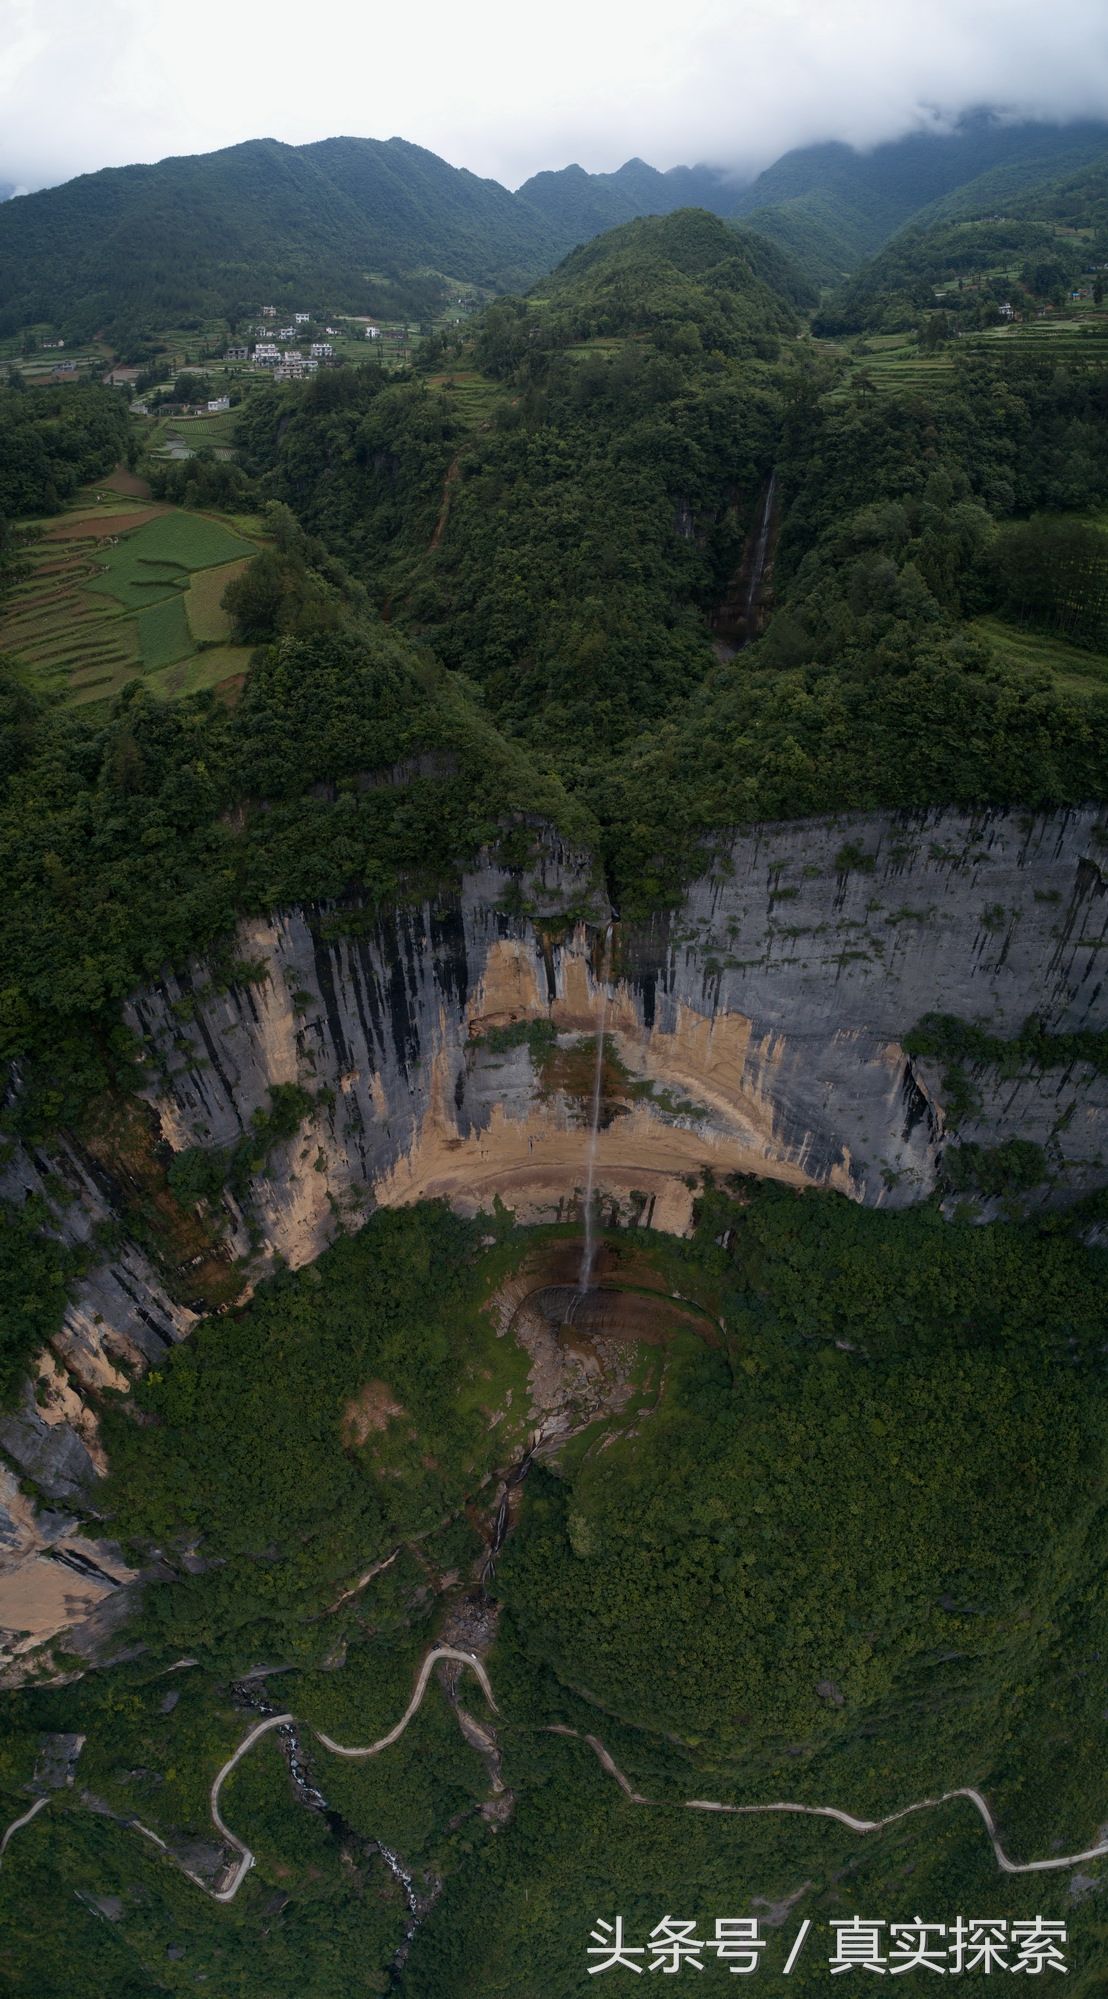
x: 805, y: 1572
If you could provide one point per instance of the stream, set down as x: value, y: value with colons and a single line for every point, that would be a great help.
x: 312, y: 1797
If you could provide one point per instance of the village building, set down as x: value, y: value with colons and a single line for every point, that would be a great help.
x: 236, y: 354
x: 269, y: 312
x: 373, y: 333
x: 293, y: 368
x: 218, y: 403
x: 322, y: 350
x: 302, y: 318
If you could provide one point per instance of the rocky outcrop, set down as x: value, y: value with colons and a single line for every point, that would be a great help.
x: 448, y: 1050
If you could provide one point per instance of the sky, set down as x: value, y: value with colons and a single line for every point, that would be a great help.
x: 506, y: 88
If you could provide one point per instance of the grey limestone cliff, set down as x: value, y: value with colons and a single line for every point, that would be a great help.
x: 757, y: 1028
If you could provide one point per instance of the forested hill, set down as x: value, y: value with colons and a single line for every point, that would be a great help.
x: 645, y: 272
x: 566, y: 543
x: 365, y: 224
x: 828, y: 205
x: 848, y: 203
x: 982, y: 248
x: 346, y: 222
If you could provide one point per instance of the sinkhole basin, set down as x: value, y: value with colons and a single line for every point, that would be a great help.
x: 627, y: 1300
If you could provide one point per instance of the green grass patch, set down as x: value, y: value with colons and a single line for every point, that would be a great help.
x: 1070, y: 667
x: 204, y: 601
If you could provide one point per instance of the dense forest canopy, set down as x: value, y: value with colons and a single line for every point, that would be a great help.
x: 598, y: 515
x: 801, y: 1567
x: 350, y: 224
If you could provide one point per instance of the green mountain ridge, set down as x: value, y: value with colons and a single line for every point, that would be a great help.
x: 218, y: 231
x: 829, y: 205
x: 355, y: 224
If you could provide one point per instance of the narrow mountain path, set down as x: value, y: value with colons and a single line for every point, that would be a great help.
x: 246, y: 1858
x: 607, y: 1762
x: 25, y: 1820
x: 448, y: 485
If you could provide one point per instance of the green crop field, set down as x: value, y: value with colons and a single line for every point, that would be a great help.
x: 157, y: 557
x: 164, y: 635
x: 197, y: 431
x: 118, y: 587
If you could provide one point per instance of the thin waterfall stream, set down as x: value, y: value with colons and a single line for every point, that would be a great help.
x: 758, y: 566
x: 589, y: 1253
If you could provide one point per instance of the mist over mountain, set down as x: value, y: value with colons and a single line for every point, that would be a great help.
x: 829, y: 205
x: 84, y: 88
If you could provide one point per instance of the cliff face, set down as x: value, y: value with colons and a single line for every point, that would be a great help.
x: 450, y: 1052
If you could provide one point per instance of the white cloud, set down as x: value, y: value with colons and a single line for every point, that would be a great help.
x: 506, y: 90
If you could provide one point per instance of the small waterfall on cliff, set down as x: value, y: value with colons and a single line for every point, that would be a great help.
x: 589, y: 1252
x: 758, y: 566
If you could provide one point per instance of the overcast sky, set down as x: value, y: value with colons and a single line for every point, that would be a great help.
x: 506, y: 88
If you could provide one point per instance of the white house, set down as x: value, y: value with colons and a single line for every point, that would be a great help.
x: 236, y: 354
x: 322, y: 350
x: 373, y: 333
x: 269, y: 312
x: 302, y: 318
x: 218, y: 403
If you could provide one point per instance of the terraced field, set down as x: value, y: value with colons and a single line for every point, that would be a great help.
x: 120, y: 587
x: 1082, y: 338
x: 894, y: 362
x: 474, y: 396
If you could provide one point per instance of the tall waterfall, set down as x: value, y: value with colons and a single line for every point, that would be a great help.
x: 589, y: 1252
x: 758, y: 566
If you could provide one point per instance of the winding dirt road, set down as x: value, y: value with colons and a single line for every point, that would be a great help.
x: 607, y: 1763
x: 25, y: 1820
x: 246, y: 1858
